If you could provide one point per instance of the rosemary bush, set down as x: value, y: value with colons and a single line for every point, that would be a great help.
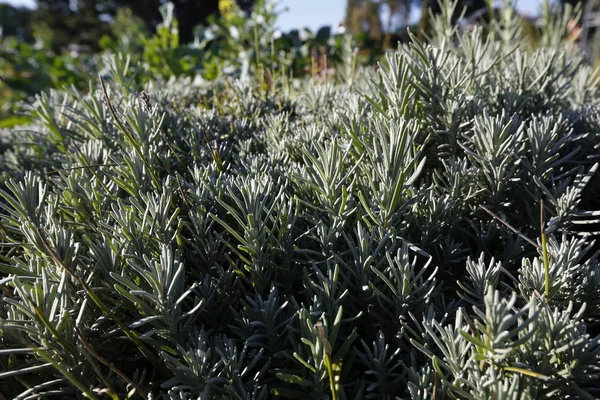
x: 377, y: 236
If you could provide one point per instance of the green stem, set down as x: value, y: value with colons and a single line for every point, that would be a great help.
x: 545, y: 257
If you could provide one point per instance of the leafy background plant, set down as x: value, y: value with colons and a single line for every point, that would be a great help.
x: 236, y: 44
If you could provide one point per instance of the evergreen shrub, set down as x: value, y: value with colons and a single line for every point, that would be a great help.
x: 373, y: 236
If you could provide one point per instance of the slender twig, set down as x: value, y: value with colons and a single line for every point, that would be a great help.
x: 329, y: 364
x: 110, y: 106
x: 183, y: 196
x: 538, y: 295
x: 109, y: 364
x: 509, y: 226
x: 65, y: 344
x: 527, y: 372
x: 56, y: 171
x: 470, y: 323
x: 545, y: 256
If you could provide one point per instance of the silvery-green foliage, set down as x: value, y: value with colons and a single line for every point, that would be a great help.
x: 403, y: 285
x: 568, y: 214
x: 328, y: 178
x: 480, y: 278
x: 262, y: 322
x: 319, y: 338
x: 546, y: 138
x: 495, y: 146
x: 243, y: 239
x: 318, y: 99
x: 506, y: 344
x: 389, y: 163
x: 574, y: 274
x: 443, y: 26
x: 505, y: 26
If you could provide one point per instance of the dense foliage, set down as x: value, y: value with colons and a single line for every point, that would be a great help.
x: 255, y: 236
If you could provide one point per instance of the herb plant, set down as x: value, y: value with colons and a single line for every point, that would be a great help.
x: 373, y: 236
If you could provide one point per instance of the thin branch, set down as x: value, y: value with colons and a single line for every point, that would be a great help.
x: 56, y: 171
x: 545, y: 257
x: 109, y: 364
x: 509, y: 226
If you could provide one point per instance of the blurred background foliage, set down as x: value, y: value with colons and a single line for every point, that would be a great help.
x: 60, y: 42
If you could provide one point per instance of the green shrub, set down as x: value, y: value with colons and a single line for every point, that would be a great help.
x: 314, y: 240
x: 28, y: 69
x: 238, y: 45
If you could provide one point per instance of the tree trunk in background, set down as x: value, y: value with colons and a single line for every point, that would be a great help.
x: 364, y: 19
x: 425, y: 21
x: 15, y: 21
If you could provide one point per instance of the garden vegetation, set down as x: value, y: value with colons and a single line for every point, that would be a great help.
x: 409, y: 231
